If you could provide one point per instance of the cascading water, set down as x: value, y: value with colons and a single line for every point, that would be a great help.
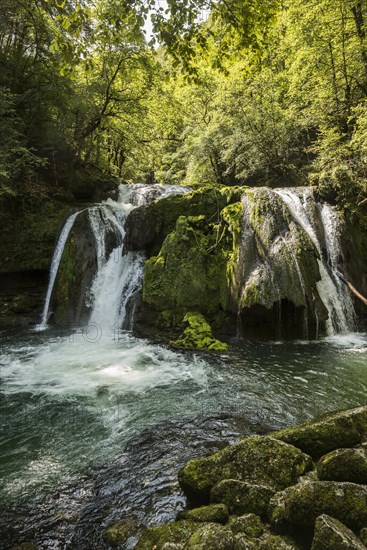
x: 118, y: 275
x: 307, y: 214
x: 59, y: 249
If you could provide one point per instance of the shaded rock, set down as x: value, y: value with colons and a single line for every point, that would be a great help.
x: 329, y: 432
x: 172, y: 546
x: 256, y: 460
x: 242, y: 497
x: 25, y: 546
x: 303, y: 503
x: 248, y: 524
x: 344, y: 465
x: 363, y: 536
x: 117, y: 534
x: 173, y: 533
x: 216, y: 513
x: 210, y: 536
x: 331, y: 534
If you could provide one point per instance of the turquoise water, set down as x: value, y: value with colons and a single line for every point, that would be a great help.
x: 70, y: 404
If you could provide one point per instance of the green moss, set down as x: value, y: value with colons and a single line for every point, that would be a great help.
x: 216, y: 513
x: 329, y: 432
x: 301, y: 504
x: 242, y: 497
x: 344, y: 465
x: 211, y: 536
x: 249, y: 524
x: 257, y: 460
x: 156, y: 537
x: 198, y: 335
x: 23, y: 303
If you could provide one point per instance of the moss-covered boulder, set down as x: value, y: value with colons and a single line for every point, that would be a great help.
x: 276, y: 542
x: 242, y: 497
x: 198, y: 335
x: 258, y: 460
x: 301, y: 504
x: 329, y: 432
x: 210, y: 536
x: 216, y: 513
x: 174, y: 533
x: 243, y: 542
x: 116, y: 535
x: 344, y: 465
x: 248, y: 524
x: 331, y: 534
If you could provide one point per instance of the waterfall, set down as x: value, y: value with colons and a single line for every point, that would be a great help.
x: 119, y: 276
x: 311, y: 215
x: 56, y: 259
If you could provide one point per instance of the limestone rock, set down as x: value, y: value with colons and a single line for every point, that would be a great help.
x: 331, y: 534
x: 329, y: 432
x: 344, y: 465
x: 301, y: 504
x: 257, y: 460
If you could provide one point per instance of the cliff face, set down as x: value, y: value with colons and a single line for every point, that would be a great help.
x: 255, y: 263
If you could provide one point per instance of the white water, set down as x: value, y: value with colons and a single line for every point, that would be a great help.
x: 331, y: 291
x: 59, y: 249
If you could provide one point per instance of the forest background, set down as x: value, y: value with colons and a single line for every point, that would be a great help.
x: 234, y: 92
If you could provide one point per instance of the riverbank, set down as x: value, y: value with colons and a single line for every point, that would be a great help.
x: 302, y: 487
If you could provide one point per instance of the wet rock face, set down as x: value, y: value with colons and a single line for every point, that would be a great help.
x: 331, y: 534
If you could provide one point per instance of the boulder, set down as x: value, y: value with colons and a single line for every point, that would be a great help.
x: 216, y: 513
x: 248, y: 524
x: 363, y: 536
x: 331, y: 534
x: 276, y: 542
x: 344, y: 465
x: 117, y: 534
x: 301, y: 504
x: 210, y: 536
x: 242, y: 497
x: 243, y: 542
x: 172, y: 533
x: 329, y: 432
x: 256, y: 460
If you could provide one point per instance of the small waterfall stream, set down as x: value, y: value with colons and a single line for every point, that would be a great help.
x: 332, y: 292
x: 59, y: 249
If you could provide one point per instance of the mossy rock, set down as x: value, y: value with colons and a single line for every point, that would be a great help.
x: 198, y: 335
x: 344, y: 465
x: 242, y: 497
x: 331, y: 534
x: 25, y: 546
x: 215, y: 513
x: 276, y: 542
x: 301, y: 504
x: 117, y: 534
x: 243, y: 542
x: 248, y: 524
x: 258, y: 460
x: 329, y: 432
x: 175, y: 533
x: 210, y: 536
